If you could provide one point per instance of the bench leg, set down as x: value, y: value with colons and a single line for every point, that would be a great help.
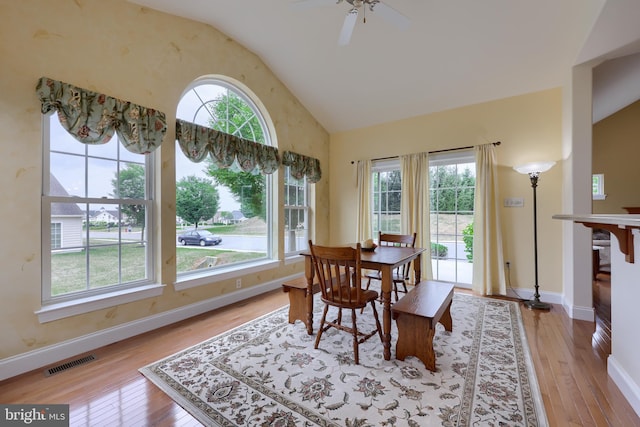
x: 445, y: 320
x: 415, y: 338
x: 298, y: 308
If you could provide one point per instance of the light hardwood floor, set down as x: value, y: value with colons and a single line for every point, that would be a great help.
x: 569, y: 356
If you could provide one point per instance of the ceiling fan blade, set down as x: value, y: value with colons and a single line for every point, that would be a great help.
x: 390, y: 15
x: 308, y: 4
x: 347, y: 27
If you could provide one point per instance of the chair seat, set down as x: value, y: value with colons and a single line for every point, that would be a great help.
x: 367, y: 296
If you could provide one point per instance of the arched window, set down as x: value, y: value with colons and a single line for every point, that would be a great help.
x: 223, y: 214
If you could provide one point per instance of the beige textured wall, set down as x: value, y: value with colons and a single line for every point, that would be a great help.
x: 616, y: 149
x: 136, y: 54
x: 529, y: 128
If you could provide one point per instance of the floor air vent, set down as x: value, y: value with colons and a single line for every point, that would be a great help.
x: 68, y: 365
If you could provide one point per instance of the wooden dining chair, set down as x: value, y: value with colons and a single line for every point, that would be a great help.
x: 339, y: 273
x: 401, y: 273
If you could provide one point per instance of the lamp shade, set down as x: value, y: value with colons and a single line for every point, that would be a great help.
x: 534, y: 167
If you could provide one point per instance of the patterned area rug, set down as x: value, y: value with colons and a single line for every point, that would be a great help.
x: 267, y: 373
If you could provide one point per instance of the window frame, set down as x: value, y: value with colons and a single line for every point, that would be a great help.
x: 597, y: 187
x: 202, y: 276
x: 304, y: 207
x: 377, y: 168
x: 55, y: 307
x: 446, y: 159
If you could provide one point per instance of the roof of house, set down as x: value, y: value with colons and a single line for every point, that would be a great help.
x: 62, y: 209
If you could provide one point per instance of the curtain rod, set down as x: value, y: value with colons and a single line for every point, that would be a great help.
x: 432, y: 152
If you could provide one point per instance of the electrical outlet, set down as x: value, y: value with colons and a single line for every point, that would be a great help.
x: 508, y: 263
x: 238, y: 283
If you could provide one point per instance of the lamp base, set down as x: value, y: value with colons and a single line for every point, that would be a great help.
x: 537, y: 305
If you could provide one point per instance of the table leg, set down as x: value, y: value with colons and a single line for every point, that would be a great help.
x: 386, y: 273
x: 417, y: 268
x: 308, y: 273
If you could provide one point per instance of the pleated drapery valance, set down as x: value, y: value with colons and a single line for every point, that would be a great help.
x: 302, y: 166
x: 93, y: 118
x: 196, y: 142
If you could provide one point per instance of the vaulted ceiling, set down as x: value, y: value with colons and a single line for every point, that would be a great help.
x: 454, y: 53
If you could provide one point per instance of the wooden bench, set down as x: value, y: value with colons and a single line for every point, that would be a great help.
x: 416, y: 315
x: 298, y: 303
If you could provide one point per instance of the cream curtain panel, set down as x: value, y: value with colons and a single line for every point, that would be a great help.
x: 415, y: 206
x: 363, y: 211
x: 488, y: 258
x: 93, y: 118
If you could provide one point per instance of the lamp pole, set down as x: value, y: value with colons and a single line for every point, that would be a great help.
x: 535, y: 303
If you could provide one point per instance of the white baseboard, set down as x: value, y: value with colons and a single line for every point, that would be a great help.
x: 580, y: 312
x: 25, y: 362
x: 625, y: 383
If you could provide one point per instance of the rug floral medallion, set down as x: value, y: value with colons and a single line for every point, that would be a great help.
x: 267, y: 373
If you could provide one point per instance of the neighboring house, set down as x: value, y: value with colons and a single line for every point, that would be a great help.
x: 106, y: 216
x: 66, y: 220
x: 236, y: 217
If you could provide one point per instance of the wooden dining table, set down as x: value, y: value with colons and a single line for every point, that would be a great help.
x: 385, y: 259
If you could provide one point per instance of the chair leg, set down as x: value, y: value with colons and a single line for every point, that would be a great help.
x: 375, y: 316
x: 321, y: 328
x: 355, y: 337
x: 404, y: 286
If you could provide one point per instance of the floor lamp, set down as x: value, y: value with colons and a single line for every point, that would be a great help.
x: 534, y: 170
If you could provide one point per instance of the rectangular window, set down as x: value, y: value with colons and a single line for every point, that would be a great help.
x: 96, y: 213
x: 56, y: 235
x: 296, y: 211
x: 597, y: 186
x: 387, y: 187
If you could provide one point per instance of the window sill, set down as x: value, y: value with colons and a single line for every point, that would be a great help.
x: 193, y: 280
x: 65, y: 309
x: 293, y: 259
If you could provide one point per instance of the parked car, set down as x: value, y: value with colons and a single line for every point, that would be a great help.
x: 199, y: 237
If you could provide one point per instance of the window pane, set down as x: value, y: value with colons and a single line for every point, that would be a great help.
x: 236, y: 207
x: 68, y: 272
x: 67, y: 175
x: 86, y: 241
x: 100, y: 175
x: 61, y: 140
x: 452, y: 204
x: 107, y: 151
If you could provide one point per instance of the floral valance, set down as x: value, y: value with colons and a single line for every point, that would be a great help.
x: 302, y: 165
x: 93, y: 118
x: 197, y: 141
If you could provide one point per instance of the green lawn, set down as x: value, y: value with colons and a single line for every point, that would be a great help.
x: 69, y: 270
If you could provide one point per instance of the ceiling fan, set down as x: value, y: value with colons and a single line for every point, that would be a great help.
x: 375, y: 6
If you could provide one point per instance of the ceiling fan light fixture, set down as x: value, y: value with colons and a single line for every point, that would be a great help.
x: 387, y: 13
